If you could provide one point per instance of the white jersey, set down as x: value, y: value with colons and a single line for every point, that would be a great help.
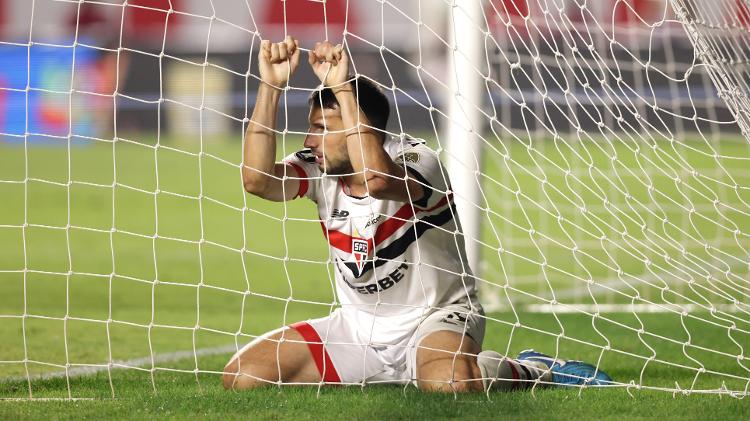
x: 393, y: 260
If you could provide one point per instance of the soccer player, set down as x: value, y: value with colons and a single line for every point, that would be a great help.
x: 409, y: 311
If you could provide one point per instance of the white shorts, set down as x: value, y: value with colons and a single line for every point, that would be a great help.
x: 342, y: 356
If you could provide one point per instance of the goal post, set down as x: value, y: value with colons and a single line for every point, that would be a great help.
x: 598, y: 153
x: 464, y: 124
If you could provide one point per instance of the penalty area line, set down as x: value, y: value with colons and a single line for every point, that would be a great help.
x: 88, y: 370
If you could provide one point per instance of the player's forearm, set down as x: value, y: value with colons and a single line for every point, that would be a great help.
x: 384, y: 178
x: 259, y: 151
x: 363, y: 143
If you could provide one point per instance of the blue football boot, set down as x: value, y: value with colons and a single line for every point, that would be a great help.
x: 567, y: 372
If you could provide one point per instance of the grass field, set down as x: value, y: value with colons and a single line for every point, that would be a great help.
x: 92, y: 293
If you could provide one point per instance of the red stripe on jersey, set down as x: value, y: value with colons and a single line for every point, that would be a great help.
x: 402, y: 216
x: 325, y: 366
x: 340, y: 240
x: 303, y: 183
x: 386, y: 228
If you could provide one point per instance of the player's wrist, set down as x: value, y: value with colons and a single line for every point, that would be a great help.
x: 268, y: 93
x: 358, y: 133
x: 341, y: 88
x: 265, y: 85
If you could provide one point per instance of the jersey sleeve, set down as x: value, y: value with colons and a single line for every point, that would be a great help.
x: 301, y: 165
x: 423, y: 165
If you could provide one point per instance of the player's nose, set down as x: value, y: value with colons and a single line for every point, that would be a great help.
x: 311, y: 141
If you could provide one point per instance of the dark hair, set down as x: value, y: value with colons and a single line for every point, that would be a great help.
x: 372, y: 101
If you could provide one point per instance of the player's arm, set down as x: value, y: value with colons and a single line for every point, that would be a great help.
x: 384, y: 178
x: 261, y: 175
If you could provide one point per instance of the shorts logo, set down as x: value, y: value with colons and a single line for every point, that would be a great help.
x: 454, y: 318
x: 360, y: 250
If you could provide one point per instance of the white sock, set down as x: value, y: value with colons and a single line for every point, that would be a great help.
x: 502, y: 373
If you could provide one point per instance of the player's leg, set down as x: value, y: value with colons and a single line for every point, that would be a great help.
x: 503, y: 373
x: 531, y: 367
x: 449, y: 356
x: 566, y: 372
x: 447, y: 343
x: 280, y: 355
x: 306, y: 352
x: 447, y: 362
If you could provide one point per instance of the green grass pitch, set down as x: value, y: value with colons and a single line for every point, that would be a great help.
x: 209, y: 295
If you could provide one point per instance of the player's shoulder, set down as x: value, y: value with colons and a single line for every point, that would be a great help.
x: 408, y: 150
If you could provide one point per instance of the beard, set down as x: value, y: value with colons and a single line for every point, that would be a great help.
x: 336, y: 168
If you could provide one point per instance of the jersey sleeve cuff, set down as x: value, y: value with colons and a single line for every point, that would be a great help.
x: 304, y: 183
x: 427, y: 188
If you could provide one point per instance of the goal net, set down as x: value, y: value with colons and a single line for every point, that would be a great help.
x: 598, y: 152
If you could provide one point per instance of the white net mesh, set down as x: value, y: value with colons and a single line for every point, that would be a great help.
x: 610, y: 222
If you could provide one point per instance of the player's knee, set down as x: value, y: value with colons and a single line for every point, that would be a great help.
x: 450, y: 386
x: 231, y: 375
x: 229, y: 379
x: 450, y: 376
x: 467, y: 385
x: 237, y: 379
x: 434, y: 386
x: 241, y: 381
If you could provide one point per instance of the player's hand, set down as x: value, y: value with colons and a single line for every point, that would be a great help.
x: 277, y: 61
x: 330, y: 63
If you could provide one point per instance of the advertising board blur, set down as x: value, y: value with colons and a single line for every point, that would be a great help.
x: 44, y: 91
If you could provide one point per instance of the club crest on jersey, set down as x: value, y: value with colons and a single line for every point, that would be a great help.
x: 360, y: 251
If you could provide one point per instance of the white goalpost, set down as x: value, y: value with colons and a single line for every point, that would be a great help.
x: 463, y: 148
x: 598, y: 153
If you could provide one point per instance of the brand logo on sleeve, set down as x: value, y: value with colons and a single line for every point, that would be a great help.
x: 306, y: 155
x: 339, y: 213
x: 408, y: 157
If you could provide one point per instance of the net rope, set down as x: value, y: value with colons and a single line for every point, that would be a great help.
x: 614, y: 184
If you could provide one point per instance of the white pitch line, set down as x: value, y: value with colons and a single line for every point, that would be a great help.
x: 124, y: 364
x: 580, y: 291
x: 619, y: 308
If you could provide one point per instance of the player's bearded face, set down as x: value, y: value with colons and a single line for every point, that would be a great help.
x: 329, y: 146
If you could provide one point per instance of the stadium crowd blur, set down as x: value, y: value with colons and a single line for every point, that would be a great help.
x: 151, y: 64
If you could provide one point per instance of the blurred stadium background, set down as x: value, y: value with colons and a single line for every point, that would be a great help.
x: 162, y: 55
